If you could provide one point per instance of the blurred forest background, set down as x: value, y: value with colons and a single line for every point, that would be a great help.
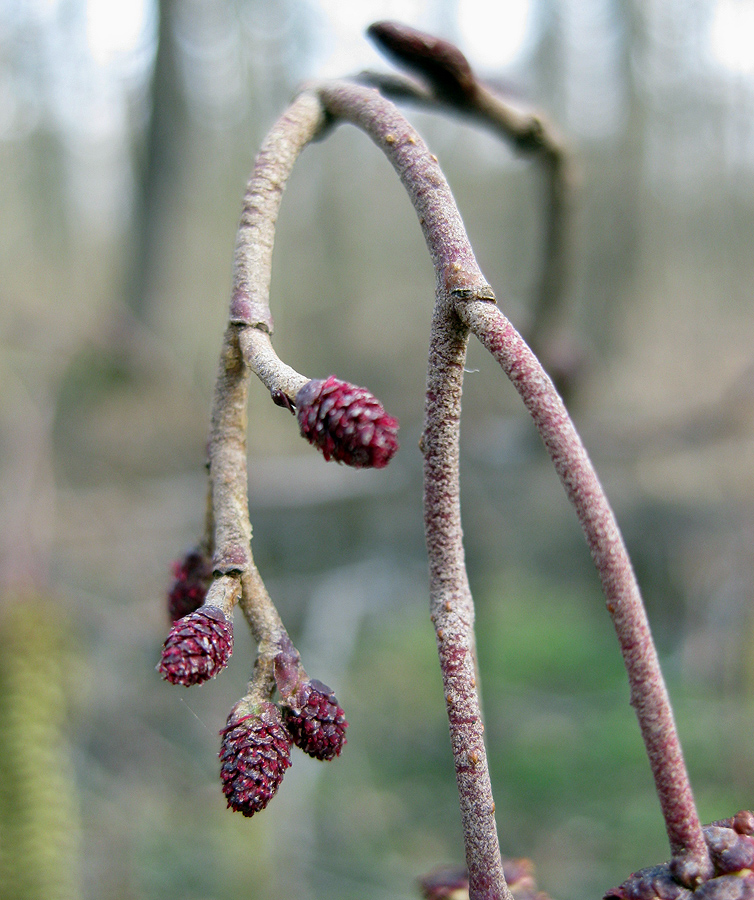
x: 127, y: 132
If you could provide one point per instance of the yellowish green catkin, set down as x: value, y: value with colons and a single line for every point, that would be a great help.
x: 39, y: 822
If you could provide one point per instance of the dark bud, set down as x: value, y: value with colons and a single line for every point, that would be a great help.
x: 347, y: 423
x: 438, y: 62
x: 192, y: 577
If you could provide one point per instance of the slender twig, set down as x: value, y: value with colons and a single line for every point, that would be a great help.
x: 236, y: 577
x: 247, y: 348
x: 451, y: 604
x: 301, y: 123
x: 227, y: 461
x: 649, y: 696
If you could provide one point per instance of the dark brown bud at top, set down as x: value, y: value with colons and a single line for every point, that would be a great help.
x: 192, y: 578
x: 441, y: 63
x: 197, y: 648
x: 315, y: 721
x: 255, y: 752
x: 347, y: 423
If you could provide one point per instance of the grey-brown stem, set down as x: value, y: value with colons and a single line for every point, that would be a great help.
x: 302, y: 122
x: 228, y: 483
x: 227, y: 460
x: 533, y: 133
x: 246, y: 348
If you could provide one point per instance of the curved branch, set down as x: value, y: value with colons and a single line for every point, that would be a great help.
x: 247, y: 348
x: 450, y: 597
x: 461, y: 283
x: 304, y: 120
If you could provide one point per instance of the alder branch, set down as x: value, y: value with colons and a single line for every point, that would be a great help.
x: 247, y: 348
x: 464, y: 302
x: 462, y: 288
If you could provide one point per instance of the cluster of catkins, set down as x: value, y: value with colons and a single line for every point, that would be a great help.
x: 259, y: 734
x: 347, y: 424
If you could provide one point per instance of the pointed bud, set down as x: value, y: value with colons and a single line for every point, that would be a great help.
x: 347, y: 423
x: 256, y: 751
x: 315, y: 721
x: 197, y: 648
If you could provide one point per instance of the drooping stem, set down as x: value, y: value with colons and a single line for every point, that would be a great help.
x: 649, y: 695
x: 457, y: 273
x: 300, y: 123
x: 460, y: 282
x: 247, y: 348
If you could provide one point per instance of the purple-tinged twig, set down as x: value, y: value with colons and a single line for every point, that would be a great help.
x: 649, y: 696
x: 463, y: 302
